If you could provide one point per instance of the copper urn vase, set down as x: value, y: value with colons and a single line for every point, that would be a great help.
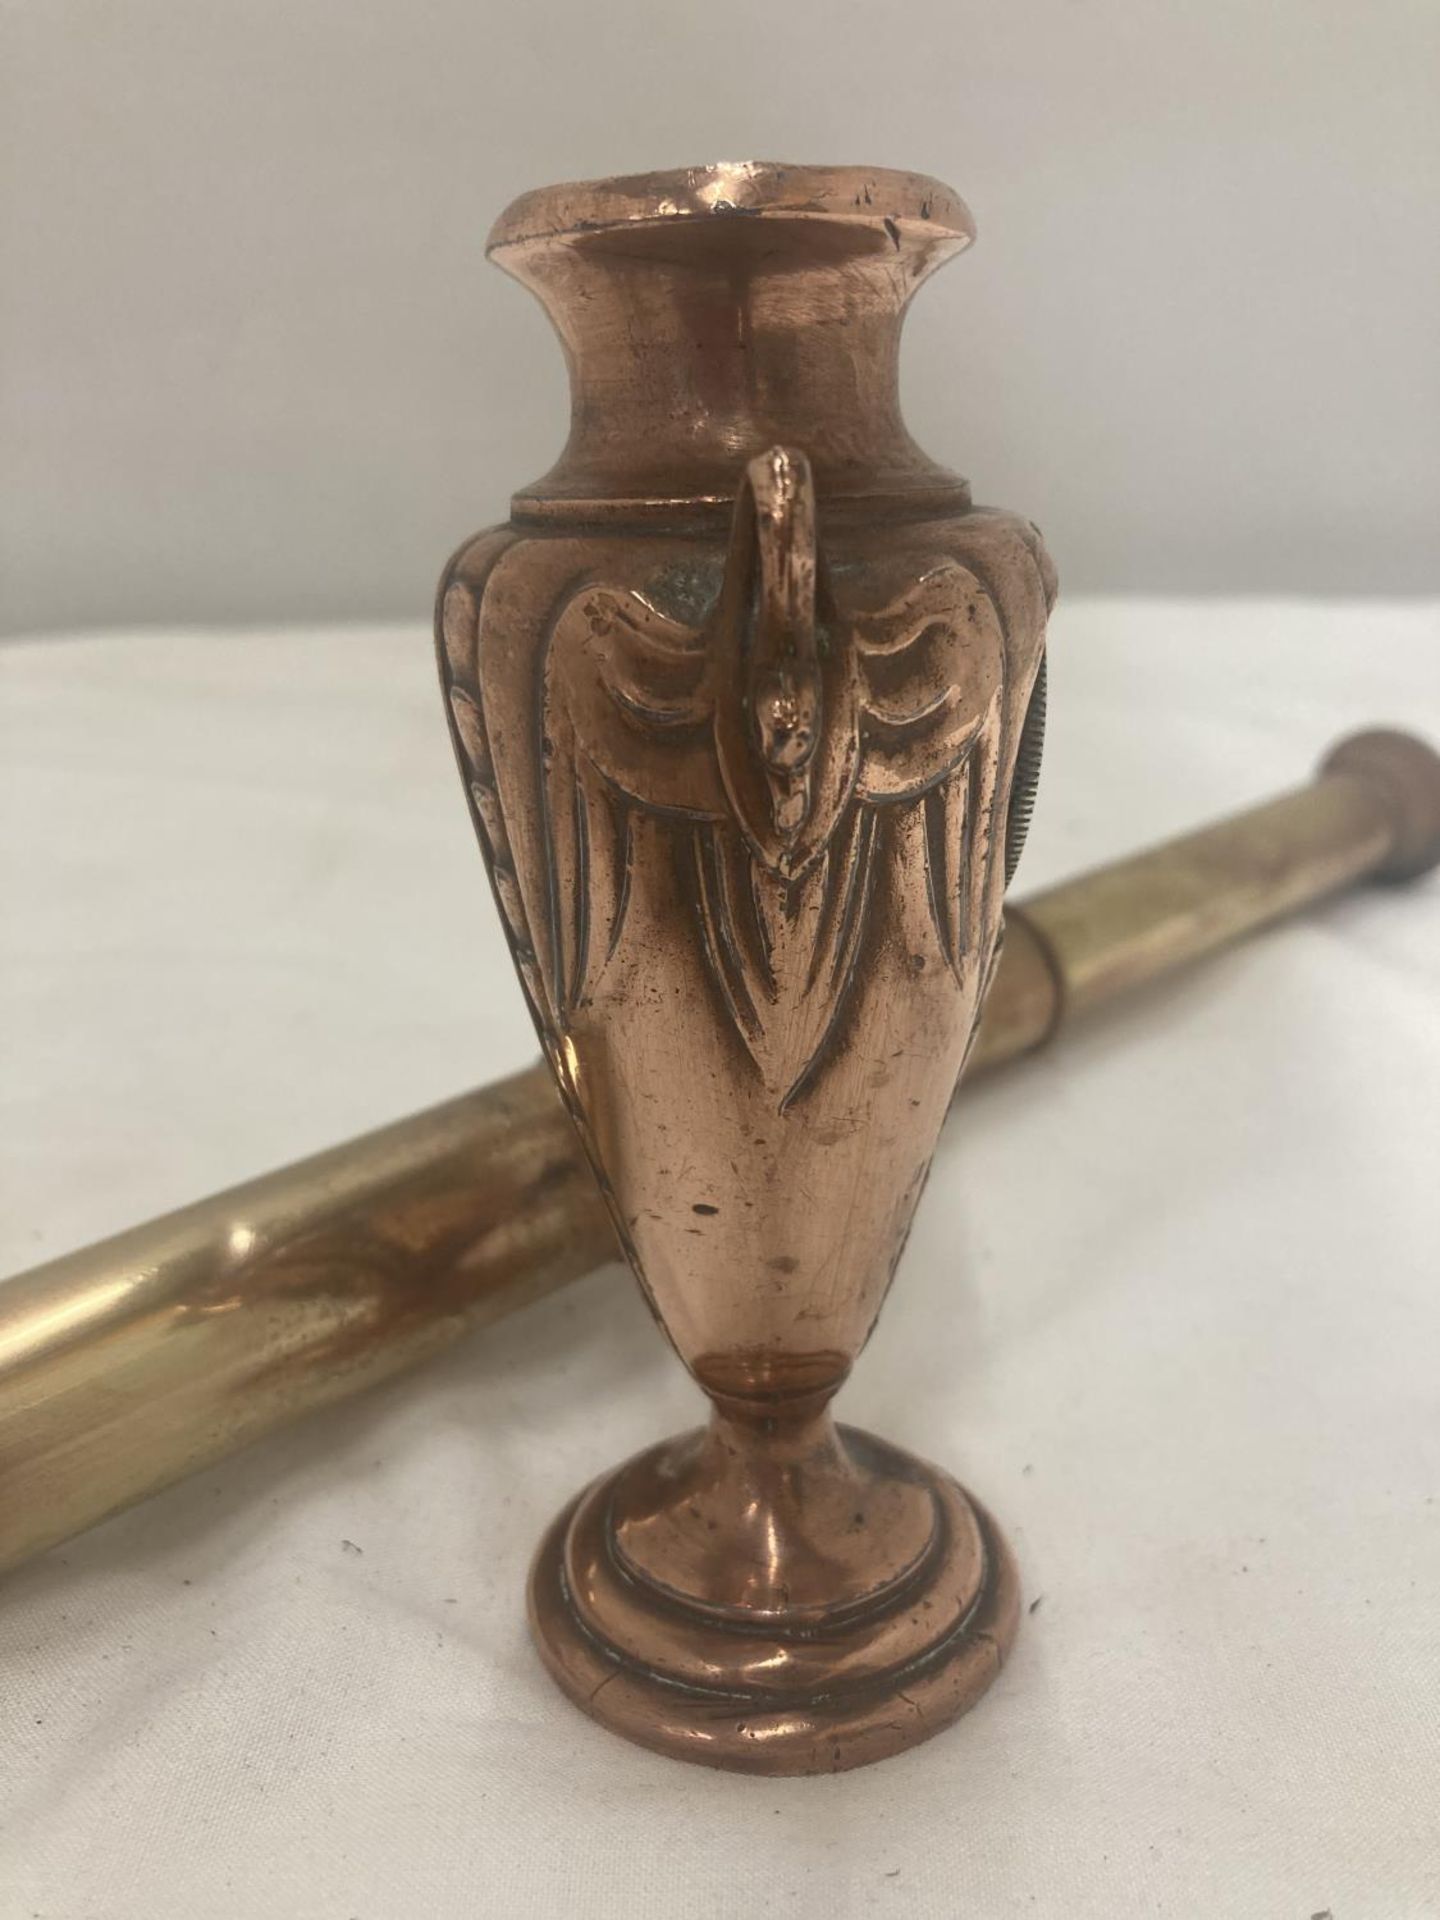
x: 748, y: 696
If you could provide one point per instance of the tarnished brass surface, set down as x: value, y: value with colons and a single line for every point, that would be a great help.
x: 132, y: 1363
x: 129, y: 1364
x: 1111, y: 931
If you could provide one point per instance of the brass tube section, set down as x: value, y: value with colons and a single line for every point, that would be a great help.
x: 1372, y: 814
x: 146, y: 1357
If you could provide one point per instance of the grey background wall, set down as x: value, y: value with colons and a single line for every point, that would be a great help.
x: 254, y: 366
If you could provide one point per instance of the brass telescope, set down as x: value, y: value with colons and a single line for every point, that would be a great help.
x: 137, y: 1361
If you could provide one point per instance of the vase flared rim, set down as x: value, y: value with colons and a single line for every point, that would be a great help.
x: 907, y: 208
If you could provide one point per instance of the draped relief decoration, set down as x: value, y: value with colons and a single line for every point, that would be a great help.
x: 791, y: 744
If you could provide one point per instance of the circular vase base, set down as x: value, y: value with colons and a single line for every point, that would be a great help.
x: 776, y: 1692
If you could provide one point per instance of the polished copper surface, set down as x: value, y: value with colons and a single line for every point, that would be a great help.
x: 740, y: 696
x: 126, y: 1365
x: 712, y: 313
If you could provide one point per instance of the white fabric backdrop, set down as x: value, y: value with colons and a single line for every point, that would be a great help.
x: 1171, y: 1306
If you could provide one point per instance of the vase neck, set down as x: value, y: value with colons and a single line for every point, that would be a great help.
x: 695, y: 344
